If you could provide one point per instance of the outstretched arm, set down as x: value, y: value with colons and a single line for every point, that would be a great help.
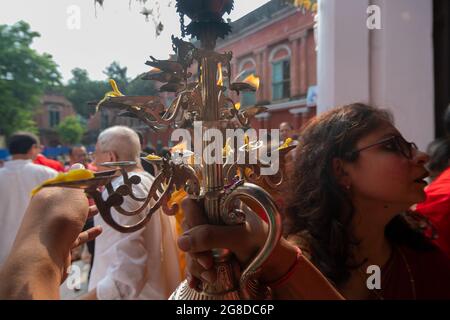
x: 40, y: 255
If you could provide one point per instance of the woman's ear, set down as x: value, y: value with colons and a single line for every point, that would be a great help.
x: 340, y: 173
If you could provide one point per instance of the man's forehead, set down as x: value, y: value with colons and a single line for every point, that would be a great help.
x: 79, y: 149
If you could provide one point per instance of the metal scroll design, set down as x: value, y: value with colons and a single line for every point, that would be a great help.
x: 172, y: 177
x: 245, y: 192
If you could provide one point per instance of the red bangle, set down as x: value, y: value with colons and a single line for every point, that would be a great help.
x: 288, y: 274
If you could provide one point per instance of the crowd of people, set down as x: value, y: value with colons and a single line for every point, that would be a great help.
x: 357, y: 197
x: 126, y: 265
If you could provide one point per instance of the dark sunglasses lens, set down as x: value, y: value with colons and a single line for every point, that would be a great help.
x: 405, y: 147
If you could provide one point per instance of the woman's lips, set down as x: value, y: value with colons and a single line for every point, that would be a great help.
x: 422, y: 178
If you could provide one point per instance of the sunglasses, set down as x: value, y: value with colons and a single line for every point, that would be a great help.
x: 394, y: 143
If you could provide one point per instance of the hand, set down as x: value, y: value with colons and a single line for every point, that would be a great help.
x: 51, y: 227
x: 62, y: 227
x: 199, y: 238
x: 244, y: 241
x: 75, y: 254
x: 82, y: 238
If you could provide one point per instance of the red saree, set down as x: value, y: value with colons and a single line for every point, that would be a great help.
x: 436, y: 208
x: 412, y: 274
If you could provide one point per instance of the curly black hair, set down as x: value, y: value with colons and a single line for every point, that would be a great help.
x: 319, y: 210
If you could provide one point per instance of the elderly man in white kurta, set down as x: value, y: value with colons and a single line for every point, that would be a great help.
x: 139, y: 265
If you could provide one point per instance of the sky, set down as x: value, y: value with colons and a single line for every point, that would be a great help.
x: 116, y: 32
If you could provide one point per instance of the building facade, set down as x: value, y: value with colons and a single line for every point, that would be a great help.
x: 402, y: 65
x: 51, y: 112
x: 276, y: 43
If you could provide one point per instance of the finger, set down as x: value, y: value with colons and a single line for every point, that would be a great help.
x: 205, y: 259
x: 193, y: 267
x: 198, y: 271
x: 194, y: 283
x: 87, y: 236
x: 206, y: 237
x: 92, y: 211
x: 193, y: 213
x: 184, y: 225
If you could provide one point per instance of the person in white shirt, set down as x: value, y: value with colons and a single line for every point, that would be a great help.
x: 139, y: 265
x: 17, y: 178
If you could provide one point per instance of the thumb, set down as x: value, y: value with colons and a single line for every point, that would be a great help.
x: 207, y: 237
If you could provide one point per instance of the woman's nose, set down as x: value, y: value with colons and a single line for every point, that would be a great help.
x: 421, y: 157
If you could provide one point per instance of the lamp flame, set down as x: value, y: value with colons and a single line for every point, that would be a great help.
x: 252, y: 80
x: 179, y: 148
x: 220, y: 80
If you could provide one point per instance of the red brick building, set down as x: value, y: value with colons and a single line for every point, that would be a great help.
x: 276, y: 42
x: 53, y: 109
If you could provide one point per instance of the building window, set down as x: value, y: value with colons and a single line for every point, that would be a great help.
x: 53, y: 116
x: 247, y: 98
x: 104, y: 120
x: 281, y: 80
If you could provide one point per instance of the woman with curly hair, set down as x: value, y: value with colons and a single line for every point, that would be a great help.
x: 356, y: 178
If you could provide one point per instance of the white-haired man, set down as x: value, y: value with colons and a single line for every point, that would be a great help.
x: 139, y: 265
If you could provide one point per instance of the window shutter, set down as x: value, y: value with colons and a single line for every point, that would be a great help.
x: 277, y: 80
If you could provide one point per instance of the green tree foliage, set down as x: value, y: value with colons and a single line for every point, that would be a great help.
x: 24, y: 75
x: 70, y: 130
x: 81, y: 89
x: 139, y: 87
x: 119, y: 74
